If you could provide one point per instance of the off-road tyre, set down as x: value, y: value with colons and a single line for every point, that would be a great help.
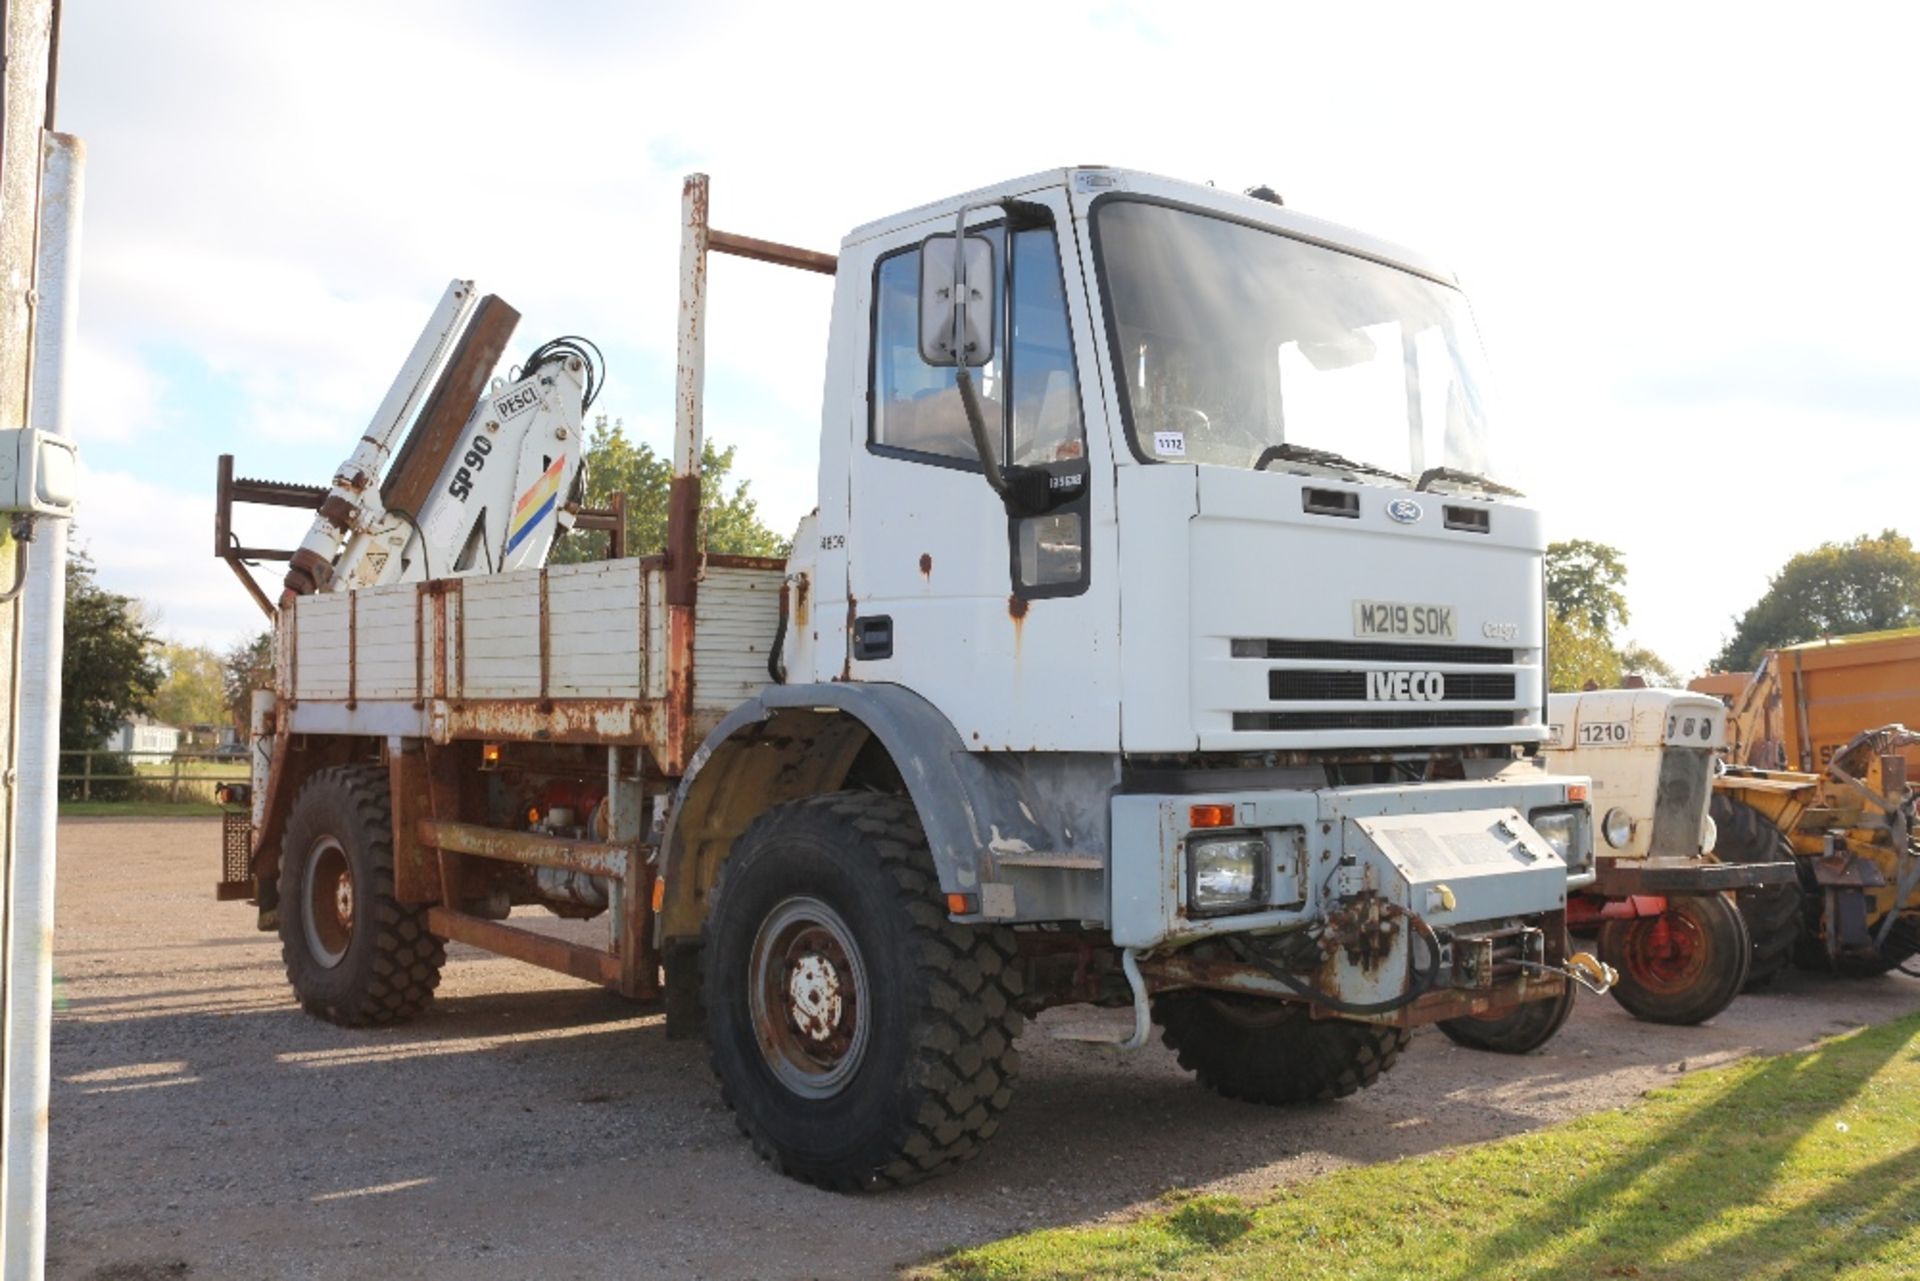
x: 1272, y: 1052
x: 1697, y: 977
x: 936, y: 1067
x: 1773, y: 913
x: 389, y: 964
x: 1519, y: 1031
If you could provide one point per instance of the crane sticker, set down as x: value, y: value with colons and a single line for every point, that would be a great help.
x: 533, y: 505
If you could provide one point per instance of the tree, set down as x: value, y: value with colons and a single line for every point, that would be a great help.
x: 246, y: 666
x: 191, y: 692
x: 1578, y: 655
x: 110, y: 672
x: 1587, y: 579
x: 729, y: 518
x: 1636, y: 659
x: 1837, y: 589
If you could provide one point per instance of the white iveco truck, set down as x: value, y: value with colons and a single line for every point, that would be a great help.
x: 1159, y: 641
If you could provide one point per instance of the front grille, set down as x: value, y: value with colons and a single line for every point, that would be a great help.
x: 1280, y: 722
x: 1686, y: 777
x: 1285, y: 685
x: 1372, y: 651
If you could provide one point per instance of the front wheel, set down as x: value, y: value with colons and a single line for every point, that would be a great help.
x: 1272, y: 1052
x: 1682, y: 967
x: 1519, y: 1031
x: 862, y: 1039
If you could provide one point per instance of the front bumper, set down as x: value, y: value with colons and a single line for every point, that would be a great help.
x: 1351, y: 876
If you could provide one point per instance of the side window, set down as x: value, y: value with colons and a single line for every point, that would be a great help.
x: 1046, y: 396
x: 916, y: 407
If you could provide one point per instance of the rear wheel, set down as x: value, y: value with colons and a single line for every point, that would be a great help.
x: 862, y: 1039
x: 1274, y: 1052
x: 1519, y: 1031
x: 1771, y: 912
x: 354, y: 954
x: 1682, y: 967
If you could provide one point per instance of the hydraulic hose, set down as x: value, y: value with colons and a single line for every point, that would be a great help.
x: 1423, y: 979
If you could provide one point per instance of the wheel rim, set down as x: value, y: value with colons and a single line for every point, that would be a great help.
x: 808, y: 991
x: 1667, y: 953
x: 329, y: 901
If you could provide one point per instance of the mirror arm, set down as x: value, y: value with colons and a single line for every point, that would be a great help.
x: 977, y: 423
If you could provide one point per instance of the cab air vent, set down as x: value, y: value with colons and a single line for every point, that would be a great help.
x: 1471, y: 519
x: 1330, y: 502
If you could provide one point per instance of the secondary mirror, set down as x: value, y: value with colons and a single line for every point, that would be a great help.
x: 949, y: 334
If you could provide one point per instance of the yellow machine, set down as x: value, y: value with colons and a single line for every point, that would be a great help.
x: 1807, y: 777
x: 1851, y: 828
x: 1805, y: 702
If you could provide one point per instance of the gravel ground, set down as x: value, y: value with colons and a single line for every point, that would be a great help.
x: 532, y: 1125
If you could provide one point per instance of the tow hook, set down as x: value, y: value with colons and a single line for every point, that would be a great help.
x: 1584, y: 968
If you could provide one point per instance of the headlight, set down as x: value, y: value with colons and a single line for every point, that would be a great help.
x: 1224, y: 873
x: 1617, y: 827
x: 1559, y: 827
x: 1709, y: 835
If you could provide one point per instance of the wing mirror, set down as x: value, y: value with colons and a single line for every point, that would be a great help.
x: 956, y: 301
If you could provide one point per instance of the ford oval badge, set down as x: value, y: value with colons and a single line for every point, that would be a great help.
x: 1404, y: 510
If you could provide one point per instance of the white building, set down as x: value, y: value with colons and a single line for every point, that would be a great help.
x: 144, y: 736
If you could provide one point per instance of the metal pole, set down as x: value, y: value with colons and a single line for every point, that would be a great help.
x: 42, y: 645
x: 683, y: 497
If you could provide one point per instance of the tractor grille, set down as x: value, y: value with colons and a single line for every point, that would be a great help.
x: 1374, y: 652
x: 1293, y: 685
x: 1423, y: 718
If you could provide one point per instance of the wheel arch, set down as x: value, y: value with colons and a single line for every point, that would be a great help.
x: 794, y: 741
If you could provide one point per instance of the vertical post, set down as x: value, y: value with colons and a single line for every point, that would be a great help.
x: 683, y: 503
x: 683, y: 495
x: 29, y: 1006
x: 86, y: 775
x: 173, y: 784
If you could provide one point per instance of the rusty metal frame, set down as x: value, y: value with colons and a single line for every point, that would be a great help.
x: 229, y: 490
x: 531, y: 849
x: 582, y: 962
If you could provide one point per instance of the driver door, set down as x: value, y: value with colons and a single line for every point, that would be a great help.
x: 1007, y: 624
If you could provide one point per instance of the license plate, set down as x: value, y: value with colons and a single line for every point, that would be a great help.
x: 1397, y: 618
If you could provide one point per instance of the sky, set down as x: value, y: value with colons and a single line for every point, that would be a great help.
x: 1687, y: 231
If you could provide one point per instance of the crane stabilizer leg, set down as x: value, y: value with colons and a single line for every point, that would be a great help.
x: 343, y: 509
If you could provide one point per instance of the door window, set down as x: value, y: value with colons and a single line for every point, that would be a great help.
x: 916, y: 407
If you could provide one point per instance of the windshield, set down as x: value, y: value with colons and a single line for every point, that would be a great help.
x: 1234, y: 339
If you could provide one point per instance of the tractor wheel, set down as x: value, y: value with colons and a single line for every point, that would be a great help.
x: 1520, y: 1031
x: 861, y: 1038
x: 1263, y: 1051
x: 1682, y: 967
x: 1771, y: 912
x: 353, y: 953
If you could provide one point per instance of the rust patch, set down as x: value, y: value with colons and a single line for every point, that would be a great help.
x: 802, y: 592
x: 926, y: 565
x: 1016, y: 608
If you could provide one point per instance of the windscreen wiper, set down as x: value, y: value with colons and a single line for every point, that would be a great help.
x: 1321, y: 458
x: 1458, y: 477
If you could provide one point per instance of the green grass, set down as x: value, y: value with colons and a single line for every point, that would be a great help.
x: 138, y: 809
x: 1803, y: 1165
